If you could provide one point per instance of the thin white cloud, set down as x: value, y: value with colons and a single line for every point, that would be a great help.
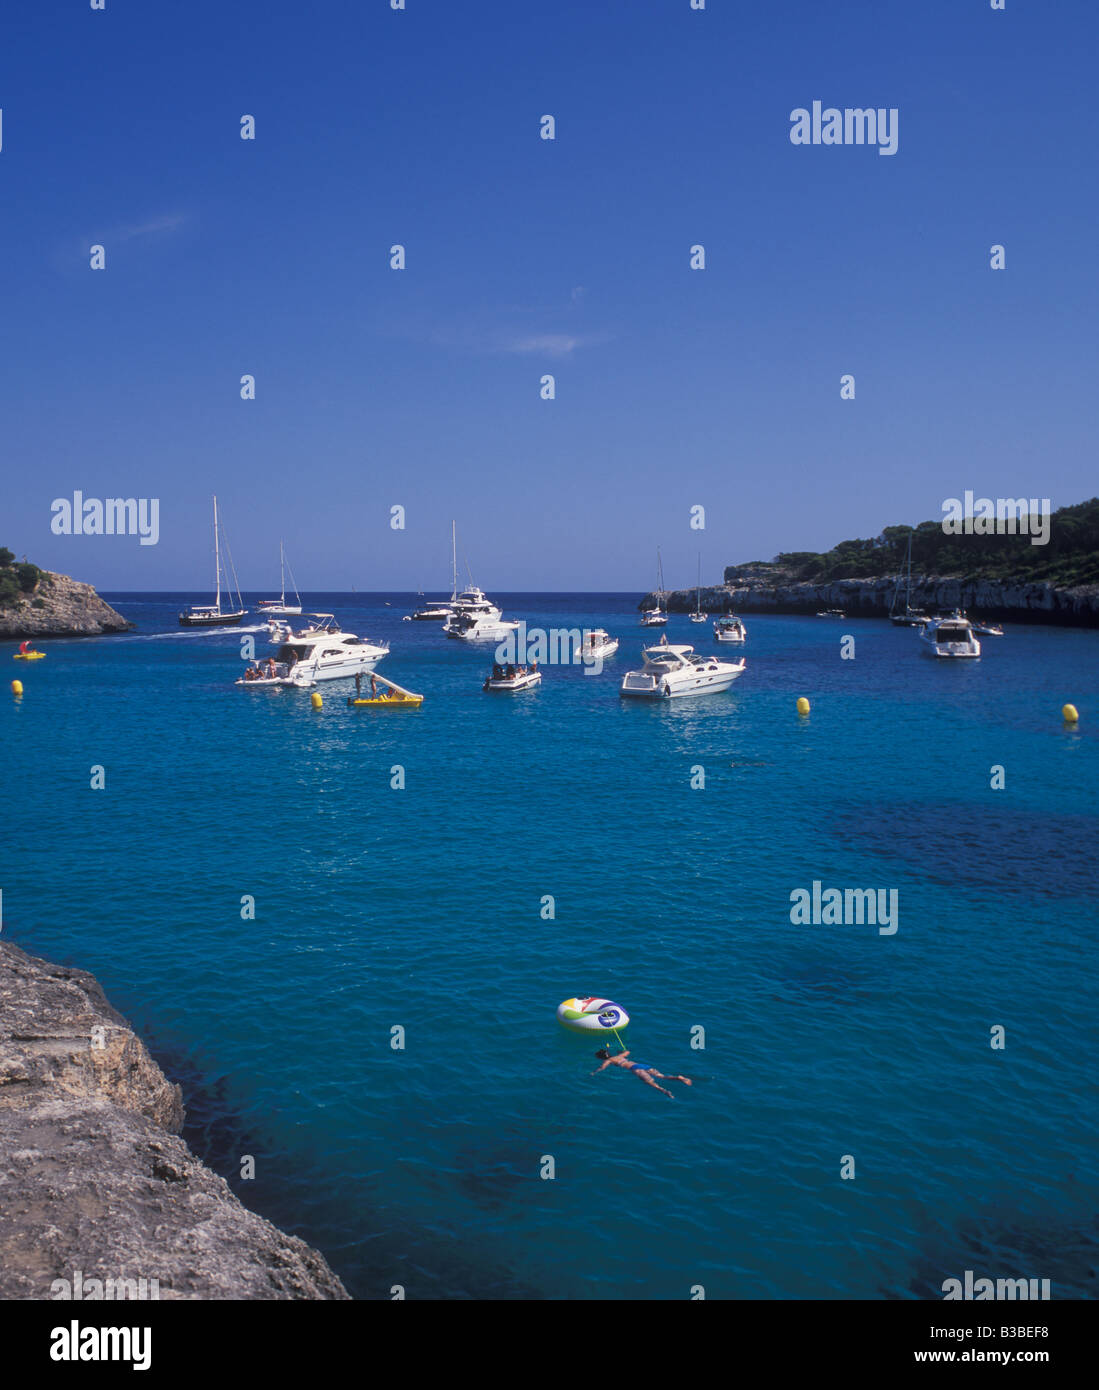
x: 157, y: 225
x: 550, y: 344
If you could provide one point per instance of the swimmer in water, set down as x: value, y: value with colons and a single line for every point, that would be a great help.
x: 639, y: 1069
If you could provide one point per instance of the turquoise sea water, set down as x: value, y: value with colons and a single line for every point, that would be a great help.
x: 421, y: 908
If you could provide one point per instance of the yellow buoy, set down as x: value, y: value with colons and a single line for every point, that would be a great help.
x: 315, y: 699
x: 803, y: 705
x: 1069, y: 714
x: 17, y: 687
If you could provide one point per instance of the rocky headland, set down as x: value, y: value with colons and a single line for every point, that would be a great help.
x: 768, y: 591
x: 93, y: 1175
x: 52, y: 605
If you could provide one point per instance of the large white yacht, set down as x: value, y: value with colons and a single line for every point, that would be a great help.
x: 730, y: 628
x: 671, y: 669
x: 949, y: 637
x: 321, y: 652
x: 473, y: 618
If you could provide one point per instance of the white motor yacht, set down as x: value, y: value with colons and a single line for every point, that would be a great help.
x: 671, y: 669
x: 597, y: 644
x: 322, y: 652
x: 474, y: 618
x: 730, y: 628
x: 949, y: 637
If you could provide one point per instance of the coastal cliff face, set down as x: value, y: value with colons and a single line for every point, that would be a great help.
x: 871, y: 598
x: 60, y: 607
x: 93, y: 1175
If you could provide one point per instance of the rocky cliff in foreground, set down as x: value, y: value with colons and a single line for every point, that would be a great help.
x: 93, y: 1175
x: 871, y: 598
x: 59, y: 607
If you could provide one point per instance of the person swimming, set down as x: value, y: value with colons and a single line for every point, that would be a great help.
x: 645, y: 1071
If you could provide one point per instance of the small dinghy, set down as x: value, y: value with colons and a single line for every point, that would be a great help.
x: 393, y: 696
x: 512, y: 678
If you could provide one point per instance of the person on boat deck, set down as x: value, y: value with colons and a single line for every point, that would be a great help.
x: 373, y: 686
x: 497, y: 671
x: 271, y: 668
x: 643, y: 1070
x: 358, y: 682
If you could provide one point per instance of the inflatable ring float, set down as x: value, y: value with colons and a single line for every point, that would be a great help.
x: 592, y: 1015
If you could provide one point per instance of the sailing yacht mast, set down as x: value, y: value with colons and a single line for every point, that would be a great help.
x: 282, y: 571
x: 217, y: 558
x: 453, y: 562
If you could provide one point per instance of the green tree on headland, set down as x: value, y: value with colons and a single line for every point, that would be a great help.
x: 1070, y: 558
x: 16, y: 580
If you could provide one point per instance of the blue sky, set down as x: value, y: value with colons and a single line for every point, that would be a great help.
x: 421, y: 387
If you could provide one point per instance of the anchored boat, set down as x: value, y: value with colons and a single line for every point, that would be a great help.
x: 279, y: 605
x: 671, y: 670
x: 322, y: 652
x: 212, y: 614
x: 513, y: 678
x: 949, y: 637
x: 730, y: 628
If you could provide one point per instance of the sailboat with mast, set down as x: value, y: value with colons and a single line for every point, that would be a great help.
x: 279, y: 605
x: 698, y: 616
x: 440, y: 610
x: 656, y: 617
x: 909, y: 617
x: 213, y: 615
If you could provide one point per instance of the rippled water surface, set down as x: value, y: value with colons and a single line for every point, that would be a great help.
x: 422, y: 908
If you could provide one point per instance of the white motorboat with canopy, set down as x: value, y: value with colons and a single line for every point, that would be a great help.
x: 672, y: 669
x: 597, y: 643
x: 730, y: 628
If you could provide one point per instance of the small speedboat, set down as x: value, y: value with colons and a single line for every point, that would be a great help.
x: 983, y: 629
x: 832, y: 613
x: 511, y: 678
x: 597, y: 644
x: 730, y: 628
x: 28, y: 656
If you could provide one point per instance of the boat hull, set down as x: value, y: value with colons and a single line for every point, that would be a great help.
x: 216, y: 620
x: 506, y: 686
x: 636, y: 685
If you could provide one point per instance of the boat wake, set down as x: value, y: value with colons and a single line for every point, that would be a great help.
x: 184, y: 633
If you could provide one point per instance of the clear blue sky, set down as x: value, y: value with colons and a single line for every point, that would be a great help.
x: 421, y: 387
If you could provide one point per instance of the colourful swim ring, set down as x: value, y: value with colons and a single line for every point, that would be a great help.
x: 592, y: 1015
